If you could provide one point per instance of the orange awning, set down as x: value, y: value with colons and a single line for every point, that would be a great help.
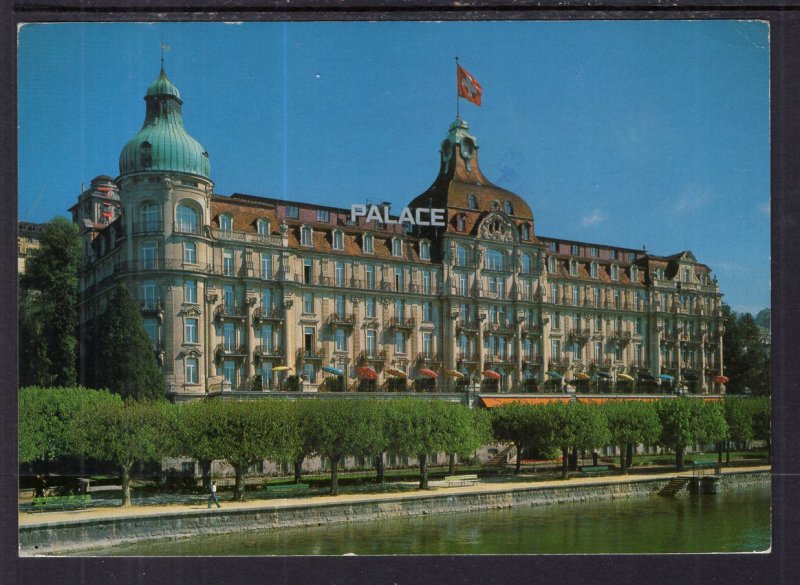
x: 493, y: 402
x: 602, y: 399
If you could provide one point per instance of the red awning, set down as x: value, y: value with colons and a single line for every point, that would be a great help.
x: 493, y: 402
x: 492, y: 374
x: 367, y: 373
x: 429, y: 373
x: 721, y: 379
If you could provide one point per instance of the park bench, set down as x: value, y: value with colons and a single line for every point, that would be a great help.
x: 288, y: 488
x: 587, y: 470
x: 60, y: 503
x: 452, y: 480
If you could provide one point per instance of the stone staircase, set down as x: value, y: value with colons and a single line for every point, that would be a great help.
x: 501, y: 458
x: 674, y: 487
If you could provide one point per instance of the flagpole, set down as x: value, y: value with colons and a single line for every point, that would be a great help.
x: 458, y: 113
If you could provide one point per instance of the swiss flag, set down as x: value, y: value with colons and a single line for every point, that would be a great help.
x: 468, y: 87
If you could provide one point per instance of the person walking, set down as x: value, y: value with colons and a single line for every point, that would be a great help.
x: 212, y: 496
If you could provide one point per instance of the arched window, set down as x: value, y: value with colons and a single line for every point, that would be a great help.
x: 508, y: 208
x: 225, y: 222
x: 425, y: 250
x: 263, y: 227
x: 190, y: 252
x: 472, y: 201
x: 495, y: 259
x: 369, y: 246
x: 187, y: 219
x: 397, y: 247
x: 526, y: 263
x: 145, y: 155
x: 149, y: 217
x: 461, y: 223
x: 461, y: 255
x: 338, y: 240
x: 305, y: 236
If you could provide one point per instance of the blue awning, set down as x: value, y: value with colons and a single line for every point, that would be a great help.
x: 666, y: 377
x: 332, y: 370
x: 555, y: 375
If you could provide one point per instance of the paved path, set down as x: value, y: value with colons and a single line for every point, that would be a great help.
x: 194, y: 503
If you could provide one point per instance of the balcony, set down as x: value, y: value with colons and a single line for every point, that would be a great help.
x: 562, y: 361
x: 153, y: 226
x: 467, y: 326
x: 580, y: 334
x: 531, y: 360
x: 367, y: 356
x: 468, y: 357
x: 602, y: 363
x: 308, y: 355
x: 224, y: 350
x: 194, y: 229
x: 159, y: 264
x: 237, y: 312
x: 530, y: 330
x: 150, y: 305
x: 246, y: 237
x: 269, y: 315
x: 493, y: 359
x: 620, y: 336
x: 403, y: 324
x: 429, y: 358
x: 507, y: 328
x: 268, y: 351
x: 337, y: 320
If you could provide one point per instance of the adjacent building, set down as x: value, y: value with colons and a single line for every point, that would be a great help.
x: 244, y: 292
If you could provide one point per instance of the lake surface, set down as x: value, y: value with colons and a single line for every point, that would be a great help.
x: 735, y: 521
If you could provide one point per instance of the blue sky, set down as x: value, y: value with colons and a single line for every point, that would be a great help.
x: 629, y: 133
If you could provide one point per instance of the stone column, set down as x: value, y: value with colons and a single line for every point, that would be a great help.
x: 211, y: 301
x: 251, y: 337
x: 520, y: 319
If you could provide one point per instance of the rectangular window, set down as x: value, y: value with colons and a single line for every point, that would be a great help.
x: 228, y: 297
x: 368, y: 244
x: 341, y: 340
x: 147, y: 256
x: 551, y: 265
x: 190, y: 335
x: 593, y: 270
x: 323, y: 215
x: 229, y: 336
x: 595, y: 252
x: 190, y: 253
x: 227, y: 262
x: 553, y: 246
x: 310, y: 372
x: 190, y: 291
x: 598, y: 350
x: 574, y: 295
x: 308, y: 303
x: 399, y: 342
x: 553, y: 293
x: 305, y: 236
x: 399, y: 280
x: 308, y: 339
x: 426, y: 311
x: 266, y: 265
x: 574, y: 249
x: 229, y: 372
x: 612, y: 254
x: 370, y: 345
x: 307, y: 271
x: 148, y: 294
x: 399, y: 309
x: 370, y: 307
x: 151, y: 327
x: 191, y: 370
x: 292, y: 212
x: 492, y: 285
x: 370, y: 277
x: 427, y: 345
x: 426, y: 282
x: 266, y: 337
x: 338, y: 241
x: 555, y: 349
x: 340, y: 305
x: 266, y: 300
x: 618, y: 353
x: 338, y: 271
x: 397, y: 247
x: 464, y: 288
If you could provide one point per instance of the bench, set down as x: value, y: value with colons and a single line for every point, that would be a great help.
x: 594, y: 469
x: 452, y: 480
x: 288, y: 488
x: 61, y: 503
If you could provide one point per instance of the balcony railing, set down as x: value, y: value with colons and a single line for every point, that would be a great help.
x: 400, y: 323
x: 602, y: 362
x: 580, y: 333
x: 246, y: 237
x: 150, y: 305
x: 468, y: 357
x: 560, y: 361
x: 466, y: 325
x: 311, y: 354
x: 498, y: 359
x: 188, y: 228
x: 501, y: 328
x: 337, y: 320
x: 236, y: 311
x: 159, y: 264
x: 268, y: 315
x: 429, y: 357
x: 532, y: 360
x: 230, y: 350
x: 268, y: 351
x: 372, y: 356
x: 148, y: 227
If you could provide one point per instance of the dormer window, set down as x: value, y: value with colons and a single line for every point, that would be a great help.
x: 574, y: 249
x: 593, y: 269
x: 524, y: 232
x: 225, y: 222
x: 368, y: 244
x: 461, y: 223
x: 263, y: 227
x: 397, y: 247
x: 573, y: 268
x: 614, y: 272
x: 553, y: 247
x: 472, y: 201
x: 687, y: 275
x: 424, y: 250
x: 323, y: 215
x: 634, y: 273
x: 507, y: 208
x: 338, y: 240
x: 306, y: 236
x: 612, y: 254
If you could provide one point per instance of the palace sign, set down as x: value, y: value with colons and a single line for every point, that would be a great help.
x: 418, y: 216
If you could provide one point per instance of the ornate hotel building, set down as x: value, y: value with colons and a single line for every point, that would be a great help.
x: 233, y: 287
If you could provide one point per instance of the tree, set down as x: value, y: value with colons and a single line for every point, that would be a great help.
x: 739, y: 416
x: 339, y: 428
x: 747, y: 359
x: 198, y: 434
x: 676, y: 416
x: 762, y: 420
x: 512, y: 423
x: 246, y: 432
x: 127, y: 363
x: 48, y: 317
x: 47, y: 420
x: 127, y: 433
x: 631, y: 422
x: 306, y: 442
x: 575, y: 425
x: 711, y: 426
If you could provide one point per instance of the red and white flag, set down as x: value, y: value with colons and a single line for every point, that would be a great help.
x: 468, y: 87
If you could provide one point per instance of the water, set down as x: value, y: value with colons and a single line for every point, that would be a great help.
x: 736, y: 521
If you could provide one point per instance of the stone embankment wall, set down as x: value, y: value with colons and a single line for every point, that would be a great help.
x: 91, y: 534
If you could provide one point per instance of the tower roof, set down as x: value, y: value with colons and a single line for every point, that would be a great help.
x: 461, y: 184
x: 163, y: 144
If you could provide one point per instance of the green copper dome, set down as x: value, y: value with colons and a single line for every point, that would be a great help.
x: 163, y: 143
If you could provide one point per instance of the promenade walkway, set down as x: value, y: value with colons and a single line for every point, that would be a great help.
x: 195, y: 502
